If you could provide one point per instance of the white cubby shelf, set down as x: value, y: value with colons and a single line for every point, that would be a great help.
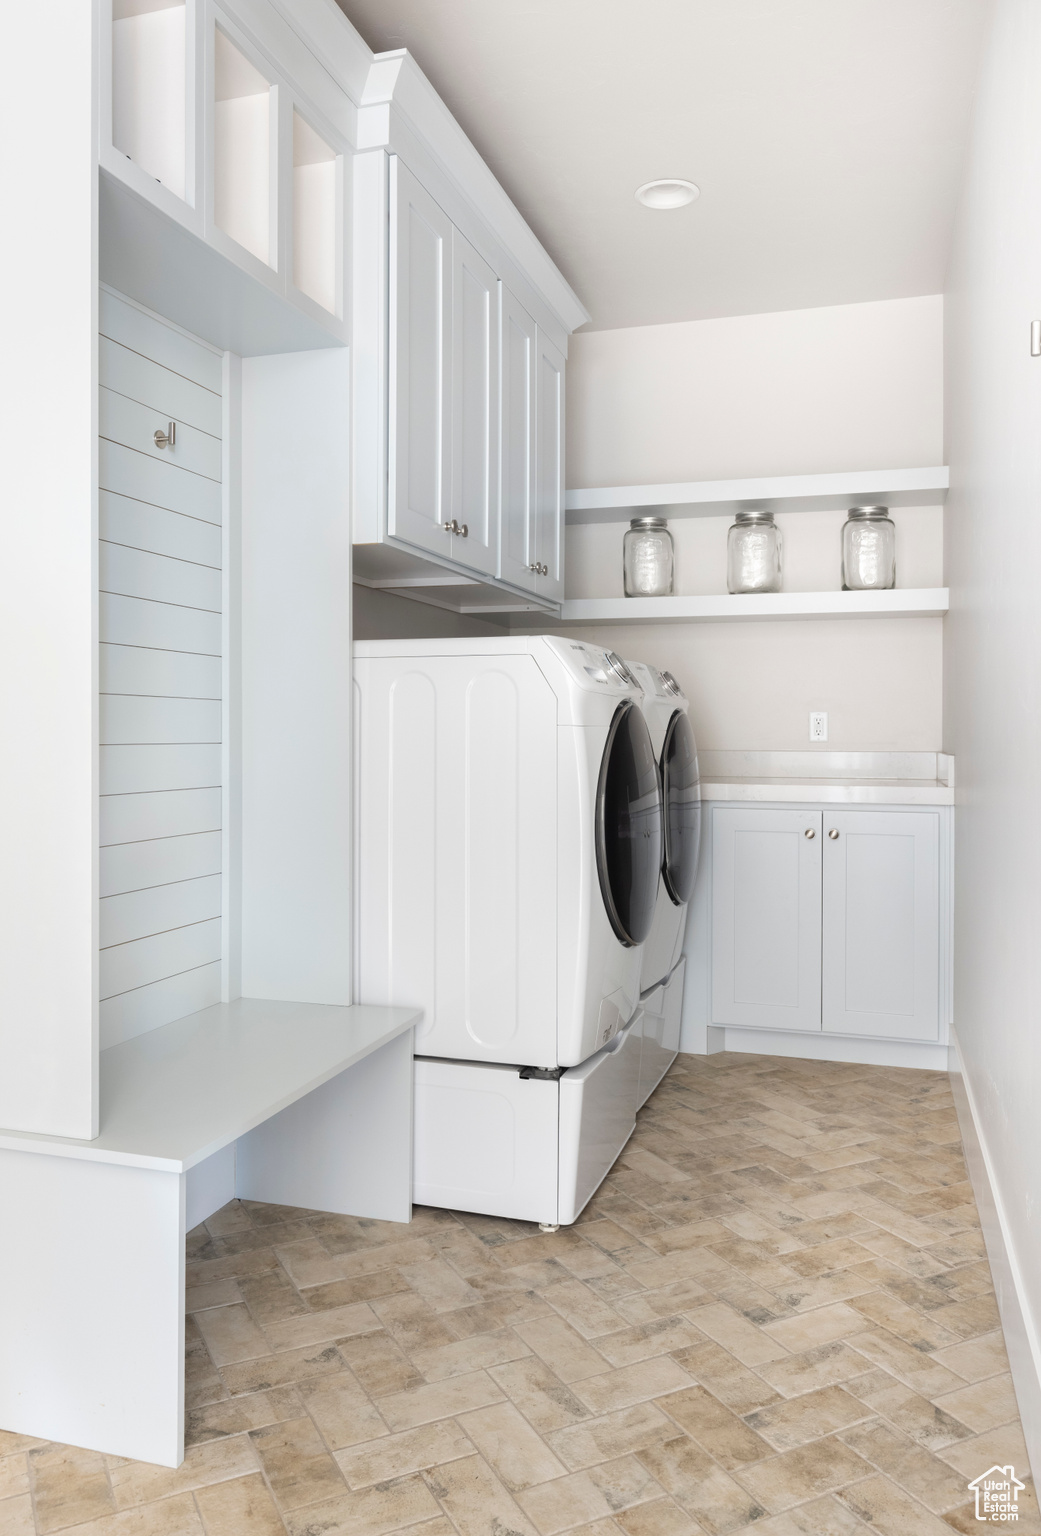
x: 773, y: 493
x: 908, y: 602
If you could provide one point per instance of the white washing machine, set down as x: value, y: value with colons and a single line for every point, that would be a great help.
x: 509, y: 841
x: 666, y: 711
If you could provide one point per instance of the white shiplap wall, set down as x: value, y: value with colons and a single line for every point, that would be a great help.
x: 160, y: 672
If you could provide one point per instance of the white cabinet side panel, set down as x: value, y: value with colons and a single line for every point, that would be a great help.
x: 97, y: 1356
x: 344, y: 1147
x: 766, y: 918
x: 48, y: 1040
x: 296, y: 678
x: 160, y: 685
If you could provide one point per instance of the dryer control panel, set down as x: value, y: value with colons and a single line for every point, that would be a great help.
x: 593, y: 667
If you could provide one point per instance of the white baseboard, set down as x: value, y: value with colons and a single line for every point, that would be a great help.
x: 1020, y: 1327
x: 852, y: 1048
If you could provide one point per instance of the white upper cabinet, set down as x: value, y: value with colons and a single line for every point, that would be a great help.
x: 549, y: 468
x: 881, y: 941
x: 517, y: 563
x: 459, y: 412
x: 222, y: 118
x: 475, y: 415
x: 420, y: 351
x: 532, y: 460
x: 451, y: 411
x: 442, y: 491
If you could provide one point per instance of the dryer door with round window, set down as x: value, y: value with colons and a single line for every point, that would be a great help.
x: 681, y: 795
x: 629, y: 826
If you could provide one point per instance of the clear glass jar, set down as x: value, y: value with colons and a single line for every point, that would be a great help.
x: 754, y: 553
x: 868, y: 550
x: 648, y: 558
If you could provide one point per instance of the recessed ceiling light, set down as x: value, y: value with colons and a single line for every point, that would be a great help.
x: 671, y: 192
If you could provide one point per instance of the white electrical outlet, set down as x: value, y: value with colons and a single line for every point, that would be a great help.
x: 818, y: 725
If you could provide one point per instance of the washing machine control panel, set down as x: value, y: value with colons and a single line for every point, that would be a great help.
x: 594, y: 667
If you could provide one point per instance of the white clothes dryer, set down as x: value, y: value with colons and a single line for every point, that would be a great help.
x: 509, y: 844
x: 666, y: 711
x: 661, y: 980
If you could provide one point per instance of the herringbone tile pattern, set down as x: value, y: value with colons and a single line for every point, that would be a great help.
x: 776, y: 1316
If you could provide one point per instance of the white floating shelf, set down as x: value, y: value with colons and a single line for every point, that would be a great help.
x: 776, y: 493
x: 910, y: 602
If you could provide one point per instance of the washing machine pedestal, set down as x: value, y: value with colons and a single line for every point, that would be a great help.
x: 533, y: 1149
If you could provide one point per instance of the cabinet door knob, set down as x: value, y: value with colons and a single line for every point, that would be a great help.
x: 462, y: 530
x: 809, y: 832
x: 833, y: 834
x: 535, y: 570
x: 544, y: 571
x: 165, y: 439
x: 452, y: 527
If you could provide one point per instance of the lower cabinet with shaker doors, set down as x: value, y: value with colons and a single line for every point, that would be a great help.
x: 828, y: 920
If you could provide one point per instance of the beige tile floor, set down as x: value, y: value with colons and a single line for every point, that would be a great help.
x: 776, y: 1316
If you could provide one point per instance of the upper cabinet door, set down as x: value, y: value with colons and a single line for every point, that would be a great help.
x: 517, y: 462
x: 475, y: 408
x: 766, y: 918
x: 881, y: 924
x: 549, y: 467
x: 418, y: 490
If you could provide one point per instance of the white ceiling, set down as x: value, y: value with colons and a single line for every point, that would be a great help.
x: 826, y: 136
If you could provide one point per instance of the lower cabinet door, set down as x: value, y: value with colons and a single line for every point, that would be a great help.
x: 881, y: 924
x: 766, y: 918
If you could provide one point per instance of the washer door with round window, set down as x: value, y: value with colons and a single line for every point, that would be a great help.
x: 629, y: 833
x: 681, y: 799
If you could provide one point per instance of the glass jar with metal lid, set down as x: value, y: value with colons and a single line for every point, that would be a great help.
x: 648, y: 558
x: 868, y: 550
x: 754, y: 553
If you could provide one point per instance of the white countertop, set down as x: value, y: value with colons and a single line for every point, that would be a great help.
x: 831, y: 791
x: 174, y: 1096
x: 829, y: 778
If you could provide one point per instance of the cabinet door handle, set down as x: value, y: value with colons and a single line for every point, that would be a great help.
x: 165, y: 439
x: 452, y: 527
x: 536, y: 570
x: 833, y: 834
x: 545, y: 570
x: 809, y: 832
x: 462, y: 530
